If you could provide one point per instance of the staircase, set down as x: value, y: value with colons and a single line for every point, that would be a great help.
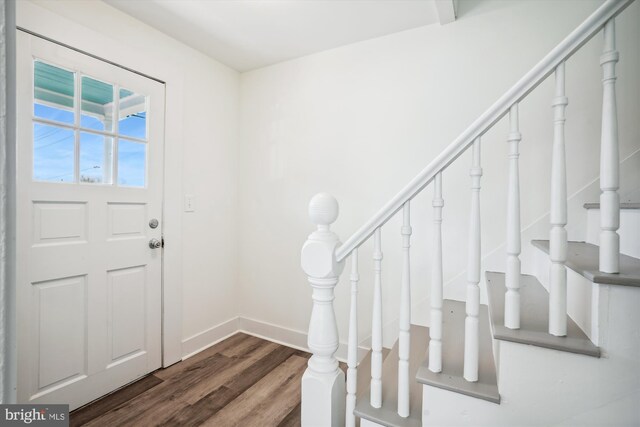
x: 560, y: 347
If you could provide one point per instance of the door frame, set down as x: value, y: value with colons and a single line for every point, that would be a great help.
x: 45, y: 24
x: 8, y: 371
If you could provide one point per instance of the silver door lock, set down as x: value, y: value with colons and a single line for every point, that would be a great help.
x: 153, y: 223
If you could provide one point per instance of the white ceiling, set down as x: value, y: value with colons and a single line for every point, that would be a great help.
x: 248, y: 34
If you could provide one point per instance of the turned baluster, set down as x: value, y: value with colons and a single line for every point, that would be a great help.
x: 435, y: 327
x: 609, y: 158
x: 404, y: 338
x: 558, y: 215
x: 471, y: 325
x: 512, y: 276
x: 376, y: 324
x: 352, y: 351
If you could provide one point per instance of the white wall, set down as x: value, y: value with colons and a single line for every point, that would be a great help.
x: 200, y: 145
x: 361, y: 120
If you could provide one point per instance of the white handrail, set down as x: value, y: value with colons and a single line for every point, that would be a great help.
x: 521, y: 89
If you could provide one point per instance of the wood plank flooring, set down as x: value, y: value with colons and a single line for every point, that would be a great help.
x: 241, y: 381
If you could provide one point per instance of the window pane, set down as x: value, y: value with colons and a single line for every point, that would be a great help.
x: 132, y: 159
x: 97, y: 105
x: 133, y: 114
x: 53, y: 90
x: 96, y: 154
x: 53, y: 154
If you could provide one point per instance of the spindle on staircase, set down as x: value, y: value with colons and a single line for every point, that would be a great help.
x: 404, y: 337
x: 609, y: 157
x: 558, y: 215
x: 512, y: 274
x: 471, y: 330
x: 352, y: 351
x: 435, y: 329
x: 376, y: 323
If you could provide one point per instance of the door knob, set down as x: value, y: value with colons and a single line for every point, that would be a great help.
x: 154, y: 243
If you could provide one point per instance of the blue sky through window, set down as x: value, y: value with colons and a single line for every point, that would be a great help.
x: 53, y: 153
x: 134, y: 125
x: 52, y: 113
x: 131, y: 163
x: 92, y: 157
x: 54, y: 156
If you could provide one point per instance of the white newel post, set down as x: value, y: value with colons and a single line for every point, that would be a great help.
x: 512, y: 275
x: 323, y: 383
x: 472, y: 321
x: 558, y: 216
x: 609, y: 157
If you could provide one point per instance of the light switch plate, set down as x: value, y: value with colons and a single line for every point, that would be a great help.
x: 189, y: 203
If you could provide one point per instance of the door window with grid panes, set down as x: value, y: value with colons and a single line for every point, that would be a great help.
x: 87, y: 131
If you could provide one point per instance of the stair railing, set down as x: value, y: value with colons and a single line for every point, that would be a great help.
x: 323, y: 385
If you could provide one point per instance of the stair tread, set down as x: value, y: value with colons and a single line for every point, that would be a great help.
x: 534, y: 318
x: 583, y: 258
x: 387, y: 415
x: 451, y: 377
x: 627, y: 205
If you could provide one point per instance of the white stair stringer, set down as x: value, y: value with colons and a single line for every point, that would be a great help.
x: 624, y: 407
x: 542, y: 387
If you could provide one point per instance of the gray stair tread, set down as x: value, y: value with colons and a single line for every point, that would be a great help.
x: 583, y: 258
x: 451, y: 377
x: 387, y: 415
x: 534, y: 318
x: 628, y: 205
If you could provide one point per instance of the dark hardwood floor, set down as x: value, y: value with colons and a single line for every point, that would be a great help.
x: 241, y: 381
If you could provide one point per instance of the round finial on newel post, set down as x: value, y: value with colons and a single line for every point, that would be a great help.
x: 323, y: 210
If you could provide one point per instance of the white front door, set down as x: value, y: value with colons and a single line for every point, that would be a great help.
x: 89, y: 180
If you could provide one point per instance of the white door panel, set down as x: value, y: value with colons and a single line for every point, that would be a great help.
x: 90, y: 153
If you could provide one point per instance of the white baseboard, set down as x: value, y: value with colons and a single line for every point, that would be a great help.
x: 278, y: 334
x: 205, y: 339
x: 289, y: 337
x: 268, y: 331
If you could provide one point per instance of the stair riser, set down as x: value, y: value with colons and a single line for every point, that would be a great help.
x: 629, y: 230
